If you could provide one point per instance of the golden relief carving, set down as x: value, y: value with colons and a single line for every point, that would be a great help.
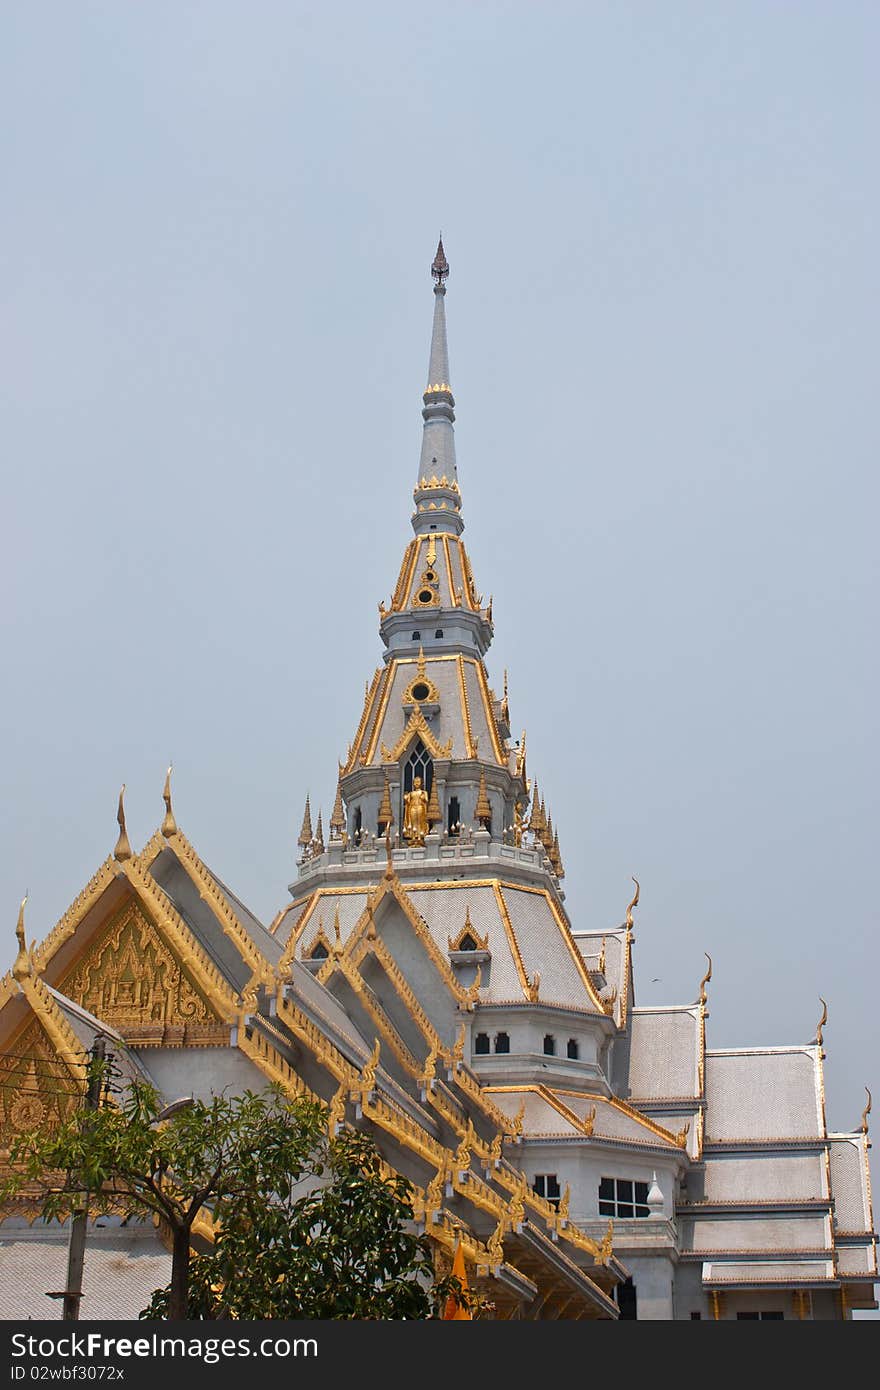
x: 131, y: 977
x: 36, y: 1089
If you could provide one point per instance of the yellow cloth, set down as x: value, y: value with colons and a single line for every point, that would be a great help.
x: 455, y: 1309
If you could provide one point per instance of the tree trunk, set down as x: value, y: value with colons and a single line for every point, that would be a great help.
x: 178, y: 1303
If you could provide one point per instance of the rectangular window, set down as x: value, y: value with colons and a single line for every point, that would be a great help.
x: 762, y: 1317
x: 547, y: 1185
x: 622, y: 1197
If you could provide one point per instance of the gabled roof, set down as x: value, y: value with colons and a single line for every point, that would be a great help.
x: 557, y: 1114
x: 764, y: 1093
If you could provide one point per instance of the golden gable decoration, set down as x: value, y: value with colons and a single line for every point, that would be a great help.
x: 36, y: 1088
x: 131, y: 979
x: 417, y: 724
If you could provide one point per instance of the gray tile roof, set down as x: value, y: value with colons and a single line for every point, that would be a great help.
x: 759, y: 1177
x: 852, y: 1211
x: 763, y: 1093
x: 664, y: 1053
x: 121, y: 1271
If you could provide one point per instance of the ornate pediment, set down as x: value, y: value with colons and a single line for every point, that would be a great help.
x: 131, y: 979
x: 416, y: 727
x: 36, y: 1087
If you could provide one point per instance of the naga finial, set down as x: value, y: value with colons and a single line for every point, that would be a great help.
x: 866, y: 1112
x: 705, y: 980
x: 440, y: 265
x: 169, y: 824
x: 634, y: 903
x: 822, y: 1021
x: 22, y: 965
x: 123, y: 845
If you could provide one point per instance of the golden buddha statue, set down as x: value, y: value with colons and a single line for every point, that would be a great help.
x: 415, y: 813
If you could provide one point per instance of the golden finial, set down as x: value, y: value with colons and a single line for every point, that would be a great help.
x: 337, y: 818
x: 337, y: 930
x: 123, y: 846
x: 866, y: 1112
x: 495, y: 1148
x: 319, y: 835
x: 564, y: 1204
x: 386, y: 814
x: 463, y: 1152
x: 606, y: 1246
x: 495, y: 1243
x: 518, y: 1202
x: 600, y: 964
x: 169, y: 824
x: 634, y: 903
x: 458, y: 1047
x: 519, y: 1119
x: 336, y: 1112
x: 433, y: 813
x: 305, y: 834
x: 420, y: 664
x: 681, y: 1137
x: 368, y: 1074
x: 430, y: 1068
x: 533, y: 985
x: 589, y: 1120
x: 822, y: 1021
x: 705, y: 980
x: 473, y: 994
x: 22, y: 965
x: 483, y: 810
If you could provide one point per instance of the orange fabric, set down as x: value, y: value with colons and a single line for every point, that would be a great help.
x: 454, y: 1309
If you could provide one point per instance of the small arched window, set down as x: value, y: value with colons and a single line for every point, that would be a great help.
x: 481, y: 1044
x: 549, y: 1045
x: 573, y: 1050
x: 439, y: 632
x: 417, y: 637
x: 467, y: 943
x: 502, y: 1042
x: 453, y: 817
x: 357, y: 825
x: 320, y: 951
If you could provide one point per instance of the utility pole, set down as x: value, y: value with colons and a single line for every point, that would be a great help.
x: 77, y: 1248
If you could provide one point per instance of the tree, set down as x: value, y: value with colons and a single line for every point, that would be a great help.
x: 304, y: 1226
x: 338, y: 1250
x: 129, y: 1156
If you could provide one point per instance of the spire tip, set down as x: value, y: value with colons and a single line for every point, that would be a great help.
x: 440, y: 265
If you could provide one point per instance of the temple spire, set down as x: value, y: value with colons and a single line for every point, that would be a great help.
x: 437, y: 483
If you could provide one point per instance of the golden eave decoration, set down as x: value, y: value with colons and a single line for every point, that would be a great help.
x: 481, y: 943
x: 417, y: 726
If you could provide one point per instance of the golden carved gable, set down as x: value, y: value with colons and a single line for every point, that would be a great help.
x: 36, y: 1089
x: 131, y: 979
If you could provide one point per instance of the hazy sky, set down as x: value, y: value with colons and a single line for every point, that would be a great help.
x: 662, y: 224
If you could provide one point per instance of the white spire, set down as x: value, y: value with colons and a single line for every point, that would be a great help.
x: 437, y: 459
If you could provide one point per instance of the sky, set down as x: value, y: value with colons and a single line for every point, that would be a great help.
x: 662, y: 227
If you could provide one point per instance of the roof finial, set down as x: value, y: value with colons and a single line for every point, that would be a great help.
x: 169, y: 824
x: 22, y: 965
x: 822, y: 1021
x: 305, y: 834
x: 123, y: 845
x: 866, y: 1112
x: 705, y: 980
x: 440, y: 265
x: 634, y: 903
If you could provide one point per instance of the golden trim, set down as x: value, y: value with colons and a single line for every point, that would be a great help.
x: 470, y: 747
x: 382, y: 695
x: 483, y: 682
x: 369, y: 696
x: 79, y: 909
x: 449, y: 571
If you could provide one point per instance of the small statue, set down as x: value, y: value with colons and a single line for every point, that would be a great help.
x: 415, y: 813
x: 518, y: 825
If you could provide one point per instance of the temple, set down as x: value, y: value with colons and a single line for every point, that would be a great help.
x: 425, y: 981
